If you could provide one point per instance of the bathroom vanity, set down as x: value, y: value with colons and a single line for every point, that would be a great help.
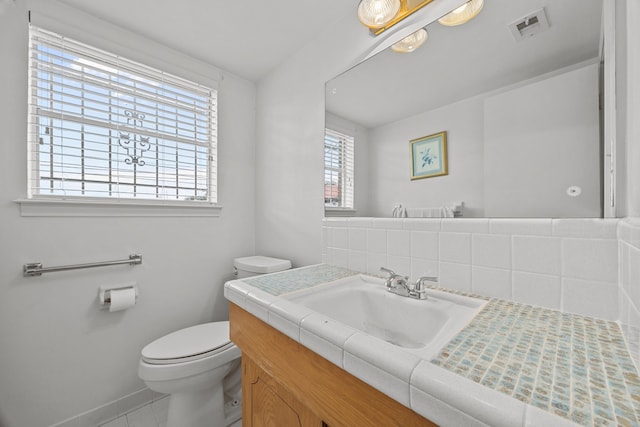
x: 511, y: 365
x: 286, y: 384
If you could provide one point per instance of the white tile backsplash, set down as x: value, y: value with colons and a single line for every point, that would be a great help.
x: 424, y: 244
x: 629, y: 283
x: 375, y: 261
x: 523, y: 227
x: 590, y: 259
x: 455, y: 247
x: 629, y: 231
x: 358, y: 260
x: 585, y: 228
x: 455, y: 276
x: 388, y: 223
x: 339, y: 237
x: 630, y: 272
x: 399, y: 243
x: 338, y: 257
x: 590, y: 298
x: 491, y: 250
x: 466, y: 225
x: 360, y: 222
x: 401, y: 265
x: 423, y: 268
x: 491, y: 282
x: 336, y: 222
x: 422, y: 224
x: 377, y: 241
x: 537, y: 289
x: 358, y: 239
x: 554, y: 263
x: 536, y: 254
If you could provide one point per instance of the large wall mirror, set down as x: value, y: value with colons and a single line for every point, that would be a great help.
x: 518, y: 100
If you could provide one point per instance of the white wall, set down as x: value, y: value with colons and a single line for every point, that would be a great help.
x: 289, y: 152
x: 60, y: 355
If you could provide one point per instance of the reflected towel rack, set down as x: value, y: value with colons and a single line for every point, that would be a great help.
x: 36, y: 268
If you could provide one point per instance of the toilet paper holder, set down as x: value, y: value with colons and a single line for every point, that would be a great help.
x: 104, y: 294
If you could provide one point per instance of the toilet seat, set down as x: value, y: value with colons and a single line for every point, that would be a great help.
x: 189, y: 344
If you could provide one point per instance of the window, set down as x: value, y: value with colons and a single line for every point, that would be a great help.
x: 101, y: 126
x: 338, y: 169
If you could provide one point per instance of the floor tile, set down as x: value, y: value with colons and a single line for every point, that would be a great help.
x: 160, y: 410
x: 118, y: 422
x: 142, y: 417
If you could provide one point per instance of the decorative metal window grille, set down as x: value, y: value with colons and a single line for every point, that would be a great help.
x: 338, y: 169
x: 107, y: 127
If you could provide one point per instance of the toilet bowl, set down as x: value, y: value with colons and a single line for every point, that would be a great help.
x: 199, y: 366
x: 190, y: 365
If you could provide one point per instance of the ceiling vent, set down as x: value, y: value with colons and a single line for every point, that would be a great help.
x: 529, y: 25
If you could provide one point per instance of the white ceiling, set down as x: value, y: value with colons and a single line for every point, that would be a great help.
x: 247, y: 38
x: 250, y: 38
x: 459, y: 62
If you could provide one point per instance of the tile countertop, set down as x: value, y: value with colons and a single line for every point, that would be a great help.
x: 513, y: 365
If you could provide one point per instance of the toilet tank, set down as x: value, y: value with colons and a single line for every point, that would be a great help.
x: 254, y: 265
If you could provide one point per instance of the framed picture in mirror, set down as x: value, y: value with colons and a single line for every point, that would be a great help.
x: 429, y: 156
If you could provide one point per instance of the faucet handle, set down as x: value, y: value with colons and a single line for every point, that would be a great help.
x: 420, y: 282
x: 418, y: 291
x: 390, y: 272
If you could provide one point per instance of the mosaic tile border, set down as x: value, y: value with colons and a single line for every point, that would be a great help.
x: 300, y: 278
x: 574, y: 366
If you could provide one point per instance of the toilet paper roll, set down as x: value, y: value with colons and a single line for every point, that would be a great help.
x: 121, y: 299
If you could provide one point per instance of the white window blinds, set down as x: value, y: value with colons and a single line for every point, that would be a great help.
x: 101, y: 126
x: 338, y: 169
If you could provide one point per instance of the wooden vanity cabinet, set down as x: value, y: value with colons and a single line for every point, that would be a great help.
x: 285, y: 384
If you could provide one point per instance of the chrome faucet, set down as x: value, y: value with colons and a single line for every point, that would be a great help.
x: 396, y: 283
x: 419, y: 291
x: 400, y: 285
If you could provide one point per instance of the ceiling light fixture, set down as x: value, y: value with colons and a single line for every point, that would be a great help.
x: 463, y: 14
x: 411, y: 42
x: 380, y: 15
x: 377, y: 13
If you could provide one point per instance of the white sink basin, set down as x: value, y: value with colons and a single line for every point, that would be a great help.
x: 422, y: 327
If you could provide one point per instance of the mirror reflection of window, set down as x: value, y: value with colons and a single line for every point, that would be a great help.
x: 338, y: 169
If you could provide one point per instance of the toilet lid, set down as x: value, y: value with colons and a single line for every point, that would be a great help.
x: 190, y: 343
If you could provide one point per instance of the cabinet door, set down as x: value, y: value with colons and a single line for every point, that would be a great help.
x: 267, y: 404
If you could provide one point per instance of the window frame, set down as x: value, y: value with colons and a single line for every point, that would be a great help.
x: 64, y: 205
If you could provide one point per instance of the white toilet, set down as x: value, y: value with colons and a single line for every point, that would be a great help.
x: 199, y: 366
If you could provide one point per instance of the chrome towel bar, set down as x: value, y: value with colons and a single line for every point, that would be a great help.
x: 36, y: 268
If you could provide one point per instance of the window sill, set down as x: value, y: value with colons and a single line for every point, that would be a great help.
x: 328, y: 212
x: 52, y: 207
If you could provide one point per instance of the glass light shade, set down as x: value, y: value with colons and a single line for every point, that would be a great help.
x: 464, y: 13
x: 411, y: 42
x: 377, y: 13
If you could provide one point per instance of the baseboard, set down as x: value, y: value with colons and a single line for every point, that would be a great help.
x: 112, y: 410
